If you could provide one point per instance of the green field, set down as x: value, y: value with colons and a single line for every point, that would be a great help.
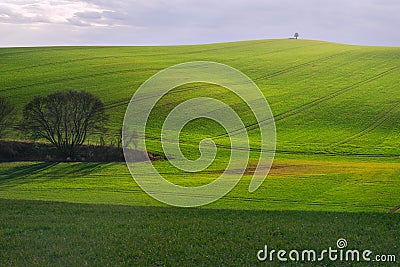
x: 64, y: 234
x: 336, y: 172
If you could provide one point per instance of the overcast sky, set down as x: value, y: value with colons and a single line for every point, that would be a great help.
x: 164, y: 22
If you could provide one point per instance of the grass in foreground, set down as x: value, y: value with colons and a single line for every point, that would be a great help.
x: 35, y: 233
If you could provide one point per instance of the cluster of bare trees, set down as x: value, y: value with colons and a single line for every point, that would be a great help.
x: 65, y: 119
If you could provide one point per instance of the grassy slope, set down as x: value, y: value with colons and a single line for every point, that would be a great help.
x: 295, y: 183
x: 60, y: 234
x: 325, y: 98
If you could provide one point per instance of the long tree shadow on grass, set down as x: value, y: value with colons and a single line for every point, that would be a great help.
x: 83, y: 168
x: 21, y: 174
x: 17, y: 175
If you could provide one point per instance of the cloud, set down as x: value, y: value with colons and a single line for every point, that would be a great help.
x: 143, y: 22
x: 77, y: 13
x: 97, y: 18
x: 11, y: 15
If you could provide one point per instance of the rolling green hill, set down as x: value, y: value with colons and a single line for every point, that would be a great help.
x: 335, y: 174
x: 326, y: 97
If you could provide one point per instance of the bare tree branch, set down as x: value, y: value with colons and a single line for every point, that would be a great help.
x: 64, y: 119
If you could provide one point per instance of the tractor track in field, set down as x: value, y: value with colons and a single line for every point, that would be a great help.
x: 91, y: 76
x: 250, y: 127
x: 118, y: 103
x: 288, y: 70
x: 338, y: 154
x: 312, y: 104
x: 76, y: 78
x: 35, y: 50
x: 306, y: 153
x: 384, y: 116
x: 259, y: 150
x: 135, y: 55
x: 156, y: 69
x: 240, y: 46
x: 328, y: 97
x: 61, y: 63
x: 226, y: 198
x: 296, y: 67
x: 394, y: 210
x: 51, y: 176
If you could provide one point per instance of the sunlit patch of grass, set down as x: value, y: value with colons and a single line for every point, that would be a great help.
x: 305, y: 183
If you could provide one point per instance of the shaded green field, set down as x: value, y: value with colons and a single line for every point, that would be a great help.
x: 62, y: 234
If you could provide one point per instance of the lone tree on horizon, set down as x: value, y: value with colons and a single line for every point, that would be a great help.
x: 296, y: 35
x: 6, y: 112
x: 64, y: 119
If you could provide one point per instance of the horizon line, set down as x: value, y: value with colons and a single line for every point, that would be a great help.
x: 194, y: 44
